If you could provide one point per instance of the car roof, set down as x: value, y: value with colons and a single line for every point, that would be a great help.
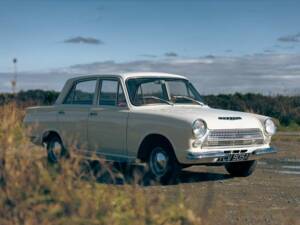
x: 131, y: 75
x: 123, y: 76
x: 150, y: 74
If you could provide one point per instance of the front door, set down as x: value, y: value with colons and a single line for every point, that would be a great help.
x: 107, y: 122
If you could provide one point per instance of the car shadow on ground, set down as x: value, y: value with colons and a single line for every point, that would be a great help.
x: 110, y: 174
x: 135, y: 175
x: 197, y: 177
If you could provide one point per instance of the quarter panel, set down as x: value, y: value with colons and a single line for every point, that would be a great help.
x: 39, y: 120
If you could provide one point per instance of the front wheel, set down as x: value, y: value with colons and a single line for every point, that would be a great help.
x: 162, y: 165
x: 241, y: 169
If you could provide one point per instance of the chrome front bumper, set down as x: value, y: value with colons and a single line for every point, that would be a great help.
x: 213, y: 156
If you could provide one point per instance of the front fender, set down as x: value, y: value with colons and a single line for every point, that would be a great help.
x: 177, y: 132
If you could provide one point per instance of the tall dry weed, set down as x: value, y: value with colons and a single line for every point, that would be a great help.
x: 32, y: 191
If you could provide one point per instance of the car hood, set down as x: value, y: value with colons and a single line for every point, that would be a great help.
x: 214, y: 118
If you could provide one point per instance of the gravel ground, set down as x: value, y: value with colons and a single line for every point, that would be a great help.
x: 269, y: 196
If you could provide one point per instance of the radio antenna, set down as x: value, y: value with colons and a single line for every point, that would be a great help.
x: 14, y: 81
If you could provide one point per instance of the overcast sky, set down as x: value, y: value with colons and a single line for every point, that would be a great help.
x: 222, y: 46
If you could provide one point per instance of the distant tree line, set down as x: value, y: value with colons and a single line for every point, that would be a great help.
x: 29, y: 98
x: 284, y: 108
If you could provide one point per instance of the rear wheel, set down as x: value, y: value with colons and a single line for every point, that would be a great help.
x: 162, y: 165
x: 241, y: 169
x: 55, y: 149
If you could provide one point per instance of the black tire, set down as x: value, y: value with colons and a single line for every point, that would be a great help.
x: 241, y: 169
x: 55, y: 149
x: 162, y: 165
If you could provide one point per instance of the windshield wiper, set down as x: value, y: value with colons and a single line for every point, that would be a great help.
x: 157, y: 98
x: 188, y: 98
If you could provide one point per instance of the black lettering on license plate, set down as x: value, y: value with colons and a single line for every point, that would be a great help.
x: 234, y: 157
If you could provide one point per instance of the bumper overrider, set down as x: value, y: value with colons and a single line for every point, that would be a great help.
x: 214, y: 156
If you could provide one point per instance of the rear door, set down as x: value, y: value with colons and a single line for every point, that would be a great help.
x: 73, y: 114
x: 107, y: 121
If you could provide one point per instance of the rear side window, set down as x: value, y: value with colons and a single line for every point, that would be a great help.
x: 111, y: 93
x: 82, y: 93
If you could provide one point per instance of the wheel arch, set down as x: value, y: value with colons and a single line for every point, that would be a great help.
x: 48, y: 134
x: 150, y: 141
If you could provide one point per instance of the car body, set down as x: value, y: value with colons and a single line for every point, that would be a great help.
x: 119, y: 117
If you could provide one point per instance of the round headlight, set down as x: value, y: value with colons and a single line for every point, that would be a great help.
x: 270, y: 127
x: 199, y: 128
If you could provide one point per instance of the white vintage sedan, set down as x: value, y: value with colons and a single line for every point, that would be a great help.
x: 154, y: 118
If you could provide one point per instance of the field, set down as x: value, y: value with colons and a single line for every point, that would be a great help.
x: 33, y: 191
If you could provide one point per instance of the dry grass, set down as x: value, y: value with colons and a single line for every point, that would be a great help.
x: 35, y: 192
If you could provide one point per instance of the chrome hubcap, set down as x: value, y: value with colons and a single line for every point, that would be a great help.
x: 159, y: 162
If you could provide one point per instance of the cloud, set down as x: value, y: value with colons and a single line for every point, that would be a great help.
x: 284, y: 47
x: 171, y: 54
x: 271, y: 73
x: 148, y: 56
x: 203, y: 60
x: 84, y: 40
x: 210, y: 56
x: 269, y: 51
x: 290, y: 38
x: 263, y: 73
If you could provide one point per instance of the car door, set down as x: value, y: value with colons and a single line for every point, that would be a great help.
x: 73, y: 114
x: 107, y: 122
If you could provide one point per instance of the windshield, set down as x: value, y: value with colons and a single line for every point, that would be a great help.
x: 145, y: 91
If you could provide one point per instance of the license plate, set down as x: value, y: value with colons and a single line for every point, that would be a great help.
x: 234, y: 157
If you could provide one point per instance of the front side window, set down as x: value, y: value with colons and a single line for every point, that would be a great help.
x: 145, y: 91
x: 111, y: 93
x: 82, y: 93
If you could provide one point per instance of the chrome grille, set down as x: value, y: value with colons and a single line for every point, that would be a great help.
x: 234, y: 137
